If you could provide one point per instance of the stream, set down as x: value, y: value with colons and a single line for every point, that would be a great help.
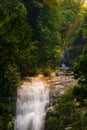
x: 36, y: 97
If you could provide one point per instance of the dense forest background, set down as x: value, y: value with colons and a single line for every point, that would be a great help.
x: 33, y: 36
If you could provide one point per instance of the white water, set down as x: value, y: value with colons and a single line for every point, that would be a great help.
x: 64, y: 67
x: 32, y: 99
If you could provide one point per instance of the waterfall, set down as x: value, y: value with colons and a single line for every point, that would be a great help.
x: 32, y: 99
x: 65, y: 60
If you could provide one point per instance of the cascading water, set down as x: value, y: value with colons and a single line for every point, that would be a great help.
x: 32, y: 99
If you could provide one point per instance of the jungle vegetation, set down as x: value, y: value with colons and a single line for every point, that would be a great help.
x: 33, y: 35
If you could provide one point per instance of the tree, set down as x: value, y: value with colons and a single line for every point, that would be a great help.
x: 15, y: 37
x: 80, y: 66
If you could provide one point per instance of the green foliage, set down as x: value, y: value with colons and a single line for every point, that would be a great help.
x: 80, y: 90
x: 69, y: 114
x: 80, y: 68
x: 53, y: 123
x: 9, y: 81
x: 66, y: 115
x: 49, y: 36
x: 76, y: 35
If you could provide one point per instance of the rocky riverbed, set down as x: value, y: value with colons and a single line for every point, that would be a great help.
x: 58, y: 84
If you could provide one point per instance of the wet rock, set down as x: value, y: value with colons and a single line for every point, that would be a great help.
x: 57, y: 87
x: 46, y: 74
